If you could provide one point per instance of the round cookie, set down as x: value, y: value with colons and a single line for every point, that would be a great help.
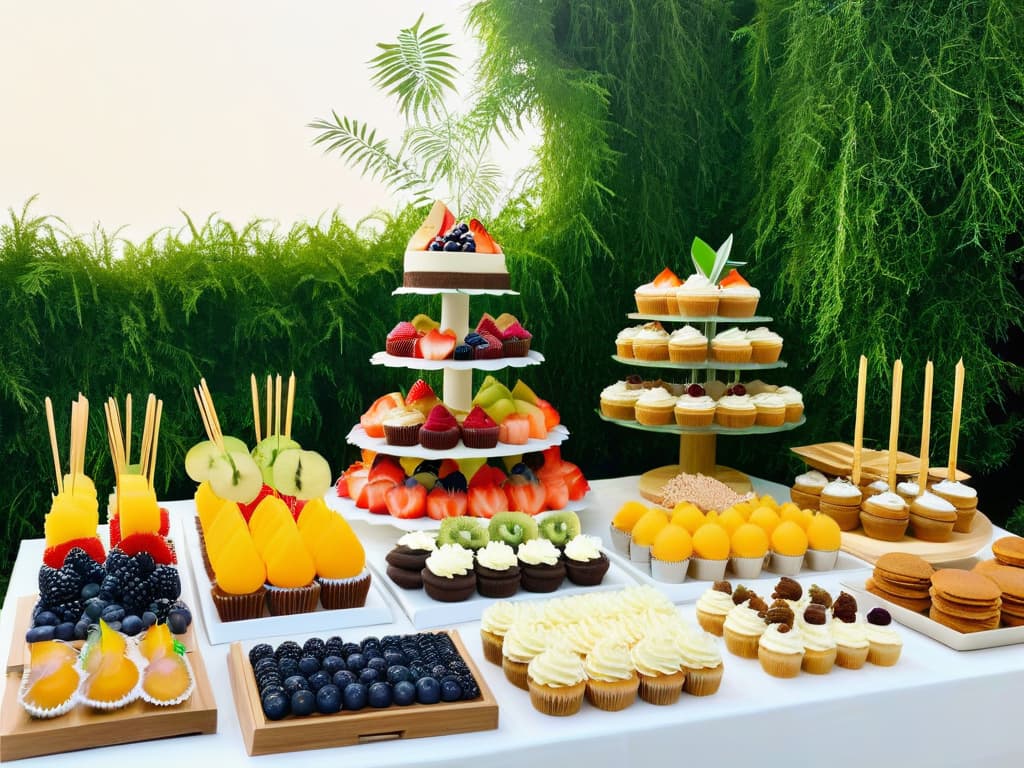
x: 965, y: 586
x: 404, y: 578
x: 904, y: 567
x: 963, y: 625
x: 916, y: 604
x: 1009, y: 550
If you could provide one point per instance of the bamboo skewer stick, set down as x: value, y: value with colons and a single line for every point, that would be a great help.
x: 926, y: 426
x: 277, y: 405
x: 954, y: 430
x: 255, y: 405
x: 858, y: 430
x: 84, y: 435
x: 290, y: 407
x: 111, y: 443
x: 53, y: 445
x: 156, y: 441
x: 270, y: 395
x: 211, y: 411
x: 114, y: 433
x: 147, y: 434
x: 202, y: 414
x: 894, y: 422
x: 128, y: 428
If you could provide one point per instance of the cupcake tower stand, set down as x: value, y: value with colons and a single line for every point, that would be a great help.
x: 697, y: 445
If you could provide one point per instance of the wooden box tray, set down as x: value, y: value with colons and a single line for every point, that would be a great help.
x: 960, y: 545
x: 837, y: 459
x: 23, y: 736
x: 264, y: 737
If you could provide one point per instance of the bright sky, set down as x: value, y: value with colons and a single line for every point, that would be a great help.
x: 122, y: 113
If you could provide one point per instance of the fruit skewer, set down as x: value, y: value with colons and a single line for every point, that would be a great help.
x: 53, y: 445
x: 273, y: 413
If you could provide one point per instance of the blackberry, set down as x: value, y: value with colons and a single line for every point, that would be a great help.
x: 289, y: 649
x: 136, y: 591
x: 315, y: 647
x: 165, y: 582
x: 70, y: 611
x: 349, y: 648
x: 261, y: 651
x: 161, y: 607
x: 58, y: 586
x: 334, y: 647
x: 116, y: 560
x: 470, y: 689
x: 145, y: 562
x: 90, y: 571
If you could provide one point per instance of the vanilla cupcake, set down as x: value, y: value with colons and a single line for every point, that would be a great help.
x: 618, y: 401
x: 655, y: 407
x: 840, y: 500
x: 850, y: 634
x: 932, y: 518
x: 557, y: 682
x: 522, y: 642
x: 713, y: 606
x: 766, y: 345
x: 794, y: 402
x: 884, y: 642
x: 738, y: 299
x: 961, y: 496
x: 780, y: 650
x: 651, y: 343
x: 612, y: 680
x: 659, y: 665
x: 697, y: 297
x: 692, y: 411
x: 495, y: 622
x: 884, y: 516
x: 702, y: 663
x: 736, y: 412
x: 771, y: 410
x: 624, y: 341
x: 820, y: 651
x: 731, y: 346
x: 743, y: 629
x: 687, y: 345
x: 807, y: 488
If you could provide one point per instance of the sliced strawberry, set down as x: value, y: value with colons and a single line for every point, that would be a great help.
x: 487, y: 501
x: 487, y: 325
x: 418, y: 391
x: 54, y: 556
x: 526, y: 496
x: 487, y: 475
x: 342, y: 485
x: 442, y: 503
x: 552, y: 455
x: 387, y: 467
x: 435, y: 345
x: 373, y: 420
x: 576, y: 482
x: 667, y: 279
x: 115, y: 530
x: 357, y: 482
x: 484, y: 242
x: 157, y: 546
x: 551, y: 417
x: 733, y: 278
x: 376, y: 492
x: 556, y: 492
x: 248, y: 509
x: 406, y: 502
x: 514, y: 429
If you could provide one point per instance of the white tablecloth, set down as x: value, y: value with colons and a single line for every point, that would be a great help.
x: 936, y: 707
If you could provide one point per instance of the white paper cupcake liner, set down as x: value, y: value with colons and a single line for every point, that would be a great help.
x: 746, y: 567
x: 620, y: 540
x: 50, y: 712
x: 144, y: 695
x: 133, y: 656
x: 786, y: 565
x: 822, y: 560
x: 702, y: 569
x: 669, y: 572
x: 639, y: 554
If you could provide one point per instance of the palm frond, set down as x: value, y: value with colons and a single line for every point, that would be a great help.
x: 417, y: 70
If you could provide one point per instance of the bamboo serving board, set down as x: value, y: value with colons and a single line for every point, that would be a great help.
x: 837, y: 459
x: 652, y: 482
x: 23, y: 736
x: 265, y: 737
x: 960, y: 546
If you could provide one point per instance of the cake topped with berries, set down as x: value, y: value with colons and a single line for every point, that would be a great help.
x: 446, y: 254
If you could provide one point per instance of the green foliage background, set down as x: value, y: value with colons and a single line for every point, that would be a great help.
x: 868, y: 156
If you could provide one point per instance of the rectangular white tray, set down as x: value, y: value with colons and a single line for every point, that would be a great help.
x: 919, y: 622
x: 376, y: 610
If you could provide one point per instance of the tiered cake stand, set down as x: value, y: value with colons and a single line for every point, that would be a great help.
x: 697, y: 445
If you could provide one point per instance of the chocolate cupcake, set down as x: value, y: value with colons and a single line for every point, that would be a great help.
x: 440, y: 432
x: 479, y: 430
x: 408, y: 559
x: 402, y: 426
x: 540, y: 565
x: 448, y: 575
x: 516, y: 340
x: 585, y: 563
x: 497, y: 570
x: 238, y: 607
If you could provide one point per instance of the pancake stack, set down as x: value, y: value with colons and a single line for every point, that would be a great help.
x: 1011, y: 581
x: 965, y: 601
x: 902, y: 579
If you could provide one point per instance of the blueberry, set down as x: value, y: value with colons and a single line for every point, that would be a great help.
x: 394, y: 658
x: 40, y: 634
x: 275, y: 705
x: 273, y: 688
x: 148, y: 619
x: 178, y: 621
x: 435, y: 246
x: 328, y: 700
x: 303, y: 703
x: 318, y: 680
x: 332, y: 664
x: 356, y: 662
x: 94, y: 608
x: 308, y: 665
x: 398, y: 673
x: 82, y: 629
x: 451, y: 690
x: 405, y: 693
x: 112, y: 612
x: 354, y: 696
x: 342, y: 678
x: 369, y: 676
x: 378, y: 662
x: 288, y: 667
x: 452, y: 245
x: 428, y: 690
x: 469, y: 246
x: 132, y: 625
x: 379, y: 695
x: 90, y: 591
x: 46, y: 619
x: 295, y: 683
x: 64, y: 631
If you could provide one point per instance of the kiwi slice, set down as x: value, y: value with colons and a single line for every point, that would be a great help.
x: 559, y: 527
x: 463, y: 531
x: 266, y: 452
x: 302, y: 474
x: 233, y: 475
x: 513, y: 528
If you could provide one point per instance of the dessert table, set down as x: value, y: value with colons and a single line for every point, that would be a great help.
x: 936, y: 707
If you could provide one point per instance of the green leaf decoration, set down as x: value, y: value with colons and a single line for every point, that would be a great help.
x: 721, y: 259
x: 704, y: 257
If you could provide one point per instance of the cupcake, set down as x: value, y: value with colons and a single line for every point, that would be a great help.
x: 401, y: 341
x: 697, y: 297
x: 748, y: 546
x: 873, y: 488
x: 585, y: 563
x: 523, y: 641
x: 540, y: 565
x: 851, y: 637
x: 612, y: 681
x: 619, y: 402
x: 448, y: 574
x: 670, y: 554
x: 840, y: 500
x: 766, y: 345
x: 702, y: 663
x: 736, y: 412
x: 932, y: 518
x: 478, y: 429
x: 653, y: 298
x: 789, y: 545
x: 624, y: 341
x: 687, y: 345
x: 819, y: 644
x: 771, y: 410
x: 644, y: 532
x: 884, y: 516
x: 711, y: 547
x: 338, y: 556
x: 713, y: 606
x: 515, y: 340
x: 651, y: 343
x: 963, y: 498
x: 884, y: 642
x: 557, y: 682
x: 807, y: 488
x: 737, y: 298
x: 408, y: 558
x: 743, y: 627
x: 823, y: 541
x: 659, y: 665
x: 440, y: 431
x: 908, y: 490
x: 794, y: 402
x: 655, y: 407
x: 495, y: 622
x: 497, y: 570
x: 402, y: 426
x: 291, y: 574
x: 621, y: 526
x: 694, y: 410
x: 239, y: 591
x: 781, y: 650
x: 731, y: 346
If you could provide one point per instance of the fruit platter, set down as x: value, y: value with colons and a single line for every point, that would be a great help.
x: 331, y: 692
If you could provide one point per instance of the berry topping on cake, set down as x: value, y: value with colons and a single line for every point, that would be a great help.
x: 736, y: 389
x: 418, y: 391
x: 515, y: 331
x: 484, y: 242
x: 695, y: 390
x: 487, y: 325
x: 440, y: 419
x: 779, y: 613
x: 474, y: 339
x: 54, y: 556
x: 478, y: 419
x: 820, y: 595
x: 816, y: 614
x: 722, y: 586
x: 734, y: 278
x: 787, y: 589
x: 845, y: 608
x: 879, y: 617
x: 404, y: 330
x: 667, y: 279
x: 634, y: 379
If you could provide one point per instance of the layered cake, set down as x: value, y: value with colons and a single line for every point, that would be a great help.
x: 443, y: 254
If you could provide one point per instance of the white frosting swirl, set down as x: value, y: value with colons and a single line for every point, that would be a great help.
x: 524, y: 641
x: 450, y: 560
x: 888, y: 500
x: 886, y: 635
x: 557, y: 667
x: 656, y: 397
x: 773, y: 639
x: 852, y: 635
x: 687, y: 336
x: 812, y: 479
x: 744, y: 620
x: 714, y: 602
x: 733, y: 336
x: 497, y: 555
x: 698, y: 284
x: 841, y: 488
x: 699, y: 650
x: 419, y: 540
x: 657, y: 655
x: 817, y: 637
x: 763, y: 335
x: 499, y: 617
x: 609, y: 660
x: 790, y: 395
x: 583, y: 548
x: 737, y: 402
x: 955, y: 489
x: 538, y: 552
x: 628, y: 334
x: 699, y: 403
x: 935, y: 503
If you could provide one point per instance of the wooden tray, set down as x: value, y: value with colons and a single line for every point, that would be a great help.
x: 83, y: 728
x: 652, y: 482
x: 960, y: 546
x: 265, y: 737
x: 837, y: 459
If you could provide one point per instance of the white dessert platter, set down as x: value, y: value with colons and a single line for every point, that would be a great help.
x: 358, y: 437
x: 419, y: 364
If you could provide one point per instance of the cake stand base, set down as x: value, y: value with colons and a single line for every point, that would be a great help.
x: 653, y: 481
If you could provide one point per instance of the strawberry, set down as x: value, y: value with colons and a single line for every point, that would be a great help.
x: 354, y: 481
x: 514, y: 430
x: 419, y: 390
x: 442, y: 503
x: 375, y: 495
x: 406, y: 502
x: 157, y: 546
x: 525, y: 496
x: 484, y: 242
x: 487, y: 475
x: 248, y: 509
x: 165, y: 522
x: 487, y: 501
x: 435, y: 345
x: 387, y: 467
x: 372, y: 421
x: 114, y: 527
x: 733, y: 278
x: 556, y: 492
x: 551, y: 417
x: 54, y: 556
x: 486, y: 325
x: 667, y: 279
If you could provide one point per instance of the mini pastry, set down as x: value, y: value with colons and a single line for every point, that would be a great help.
x: 873, y: 488
x: 522, y: 642
x: 338, y: 555
x: 807, y: 488
x: 515, y: 340
x: 697, y: 297
x: 932, y: 518
x: 743, y: 629
x: 612, y: 681
x: 748, y: 546
x: 670, y: 554
x: 557, y: 682
x: 731, y: 346
x: 849, y: 632
x: 291, y: 573
x: 659, y: 665
x: 496, y: 620
x: 540, y: 565
x: 713, y: 606
x: 884, y: 516
x: 644, y: 532
x: 736, y: 412
x: 687, y: 345
x: 653, y: 298
x: 694, y: 410
x: 961, y: 496
x: 789, y: 545
x: 448, y: 574
x: 965, y: 601
x: 401, y: 340
x: 624, y: 341
x: 823, y: 541
x: 440, y: 432
x: 702, y: 663
x: 766, y: 345
x: 780, y: 648
x: 402, y: 426
x: 478, y: 429
x: 737, y: 297
x: 903, y: 579
x: 618, y: 401
x: 1009, y: 550
x: 771, y: 410
x: 840, y: 500
x: 497, y: 570
x: 651, y: 343
x: 711, y: 552
x: 794, y: 402
x: 621, y: 526
x: 585, y: 563
x: 819, y: 645
x: 909, y: 490
x: 655, y: 407
x: 884, y: 641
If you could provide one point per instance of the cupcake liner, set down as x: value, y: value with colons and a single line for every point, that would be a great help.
x: 238, y: 607
x: 338, y: 594
x: 620, y: 540
x: 703, y: 681
x: 702, y: 569
x: 884, y: 654
x: 662, y: 689
x: 404, y: 434
x: 744, y: 646
x: 786, y: 565
x: 654, y: 417
x: 588, y: 573
x: 286, y: 601
x: 515, y: 672
x: 746, y: 567
x: 128, y: 698
x: 737, y: 306
x: 558, y: 701
x: 612, y: 695
x: 668, y: 571
x: 927, y: 529
x: 145, y: 696
x: 846, y: 517
x: 822, y: 559
x: 492, y: 645
x: 765, y: 353
x: 688, y: 354
x: 731, y: 354
x: 624, y: 348
x: 765, y: 418
x: 803, y: 499
x: 712, y: 623
x: 515, y: 347
x: 691, y: 418
x: 497, y: 584
x: 780, y: 664
x: 964, y: 520
x: 650, y: 304
x: 736, y: 420
x: 480, y: 437
x: 818, y: 662
x: 794, y: 411
x: 618, y: 411
x: 400, y: 347
x: 851, y: 658
x: 882, y: 528
x: 439, y: 440
x: 651, y: 352
x: 697, y: 306
x: 639, y: 553
x: 45, y: 713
